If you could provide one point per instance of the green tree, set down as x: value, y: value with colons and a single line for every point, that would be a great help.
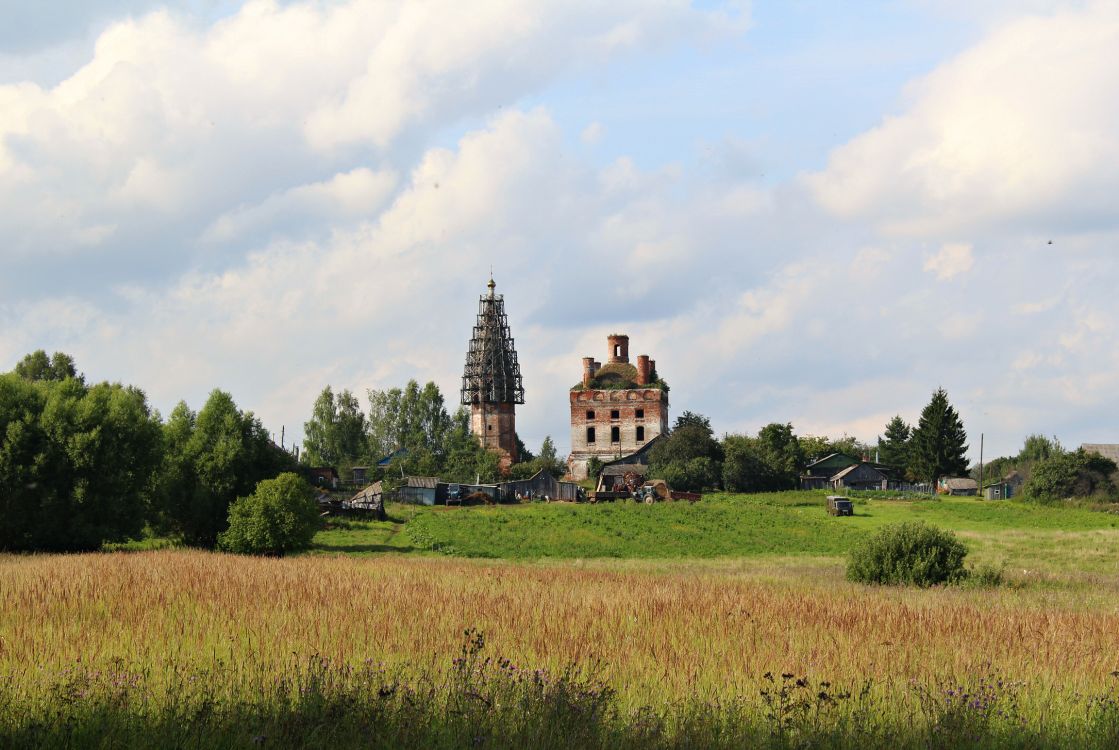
x: 594, y: 467
x: 280, y: 516
x: 691, y: 419
x: 318, y: 432
x: 336, y: 433
x: 766, y: 463
x: 523, y: 453
x: 549, y: 460
x: 939, y: 443
x: 383, y: 427
x: 38, y: 366
x: 672, y: 459
x: 694, y: 475
x: 77, y: 462
x: 1039, y: 448
x: 893, y: 450
x: 814, y: 447
x: 431, y: 418
x: 1075, y: 474
x: 465, y: 459
x: 781, y: 452
x: 212, y: 458
x: 744, y: 469
x: 412, y: 418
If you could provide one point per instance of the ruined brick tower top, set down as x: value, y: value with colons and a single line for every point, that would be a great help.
x: 617, y: 408
x: 491, y: 381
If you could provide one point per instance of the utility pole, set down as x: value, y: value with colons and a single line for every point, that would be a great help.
x: 981, y: 467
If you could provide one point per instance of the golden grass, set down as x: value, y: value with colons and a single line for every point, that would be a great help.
x: 660, y: 631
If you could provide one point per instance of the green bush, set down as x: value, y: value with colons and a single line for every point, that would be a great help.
x: 911, y: 553
x: 280, y: 516
x: 1069, y: 475
x: 985, y: 576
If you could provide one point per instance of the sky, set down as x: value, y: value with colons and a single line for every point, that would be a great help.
x: 804, y: 211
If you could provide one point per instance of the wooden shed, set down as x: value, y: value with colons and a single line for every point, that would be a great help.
x: 369, y: 500
x: 541, y: 484
x: 323, y: 476
x: 965, y: 486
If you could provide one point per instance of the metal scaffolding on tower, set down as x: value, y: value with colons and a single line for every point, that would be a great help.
x: 492, y: 374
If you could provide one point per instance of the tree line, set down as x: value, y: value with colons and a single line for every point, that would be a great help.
x: 412, y: 427
x: 85, y: 464
x: 691, y: 458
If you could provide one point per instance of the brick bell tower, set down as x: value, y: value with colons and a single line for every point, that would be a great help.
x: 491, y: 381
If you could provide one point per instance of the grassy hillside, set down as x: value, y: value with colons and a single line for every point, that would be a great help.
x: 723, y: 525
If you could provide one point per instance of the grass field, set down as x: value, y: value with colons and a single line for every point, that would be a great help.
x: 1024, y: 536
x: 723, y: 624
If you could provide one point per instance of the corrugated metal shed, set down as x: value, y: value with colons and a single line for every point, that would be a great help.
x: 421, y: 490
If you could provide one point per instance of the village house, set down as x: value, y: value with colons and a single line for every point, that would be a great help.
x: 838, y: 471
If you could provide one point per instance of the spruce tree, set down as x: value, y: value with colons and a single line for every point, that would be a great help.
x: 894, y: 448
x: 939, y: 442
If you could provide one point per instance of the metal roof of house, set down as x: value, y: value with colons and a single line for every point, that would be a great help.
x: 395, y: 454
x: 427, y: 483
x: 961, y: 483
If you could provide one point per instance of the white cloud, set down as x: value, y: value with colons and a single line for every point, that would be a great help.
x: 593, y: 133
x: 1017, y: 130
x: 356, y: 194
x: 174, y: 127
x: 950, y: 261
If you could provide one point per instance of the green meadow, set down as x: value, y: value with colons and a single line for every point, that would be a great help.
x: 1023, y: 536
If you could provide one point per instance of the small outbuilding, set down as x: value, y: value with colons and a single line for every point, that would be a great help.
x: 323, y: 476
x: 369, y: 500
x: 541, y: 484
x: 421, y: 491
x: 959, y: 486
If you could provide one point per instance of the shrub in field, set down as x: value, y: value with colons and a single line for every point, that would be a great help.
x: 280, y: 516
x: 912, y: 553
x: 985, y: 576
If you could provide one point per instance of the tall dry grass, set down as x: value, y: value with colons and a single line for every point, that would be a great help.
x: 657, y: 635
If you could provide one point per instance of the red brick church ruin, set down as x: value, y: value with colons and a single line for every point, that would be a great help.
x: 617, y: 408
x: 491, y: 381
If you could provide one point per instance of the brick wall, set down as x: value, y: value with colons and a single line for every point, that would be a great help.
x: 634, y: 416
x: 495, y: 425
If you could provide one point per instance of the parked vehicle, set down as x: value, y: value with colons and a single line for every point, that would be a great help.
x: 840, y: 506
